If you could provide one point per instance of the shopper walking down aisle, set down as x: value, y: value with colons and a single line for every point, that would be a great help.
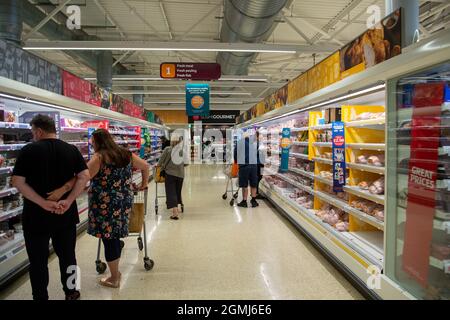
x: 246, y: 156
x: 111, y: 197
x: 261, y: 161
x: 172, y: 164
x: 43, y: 166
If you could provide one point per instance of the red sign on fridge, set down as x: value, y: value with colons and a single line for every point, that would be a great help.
x: 420, y: 209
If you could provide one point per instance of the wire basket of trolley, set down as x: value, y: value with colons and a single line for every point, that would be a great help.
x: 232, y: 172
x: 136, y: 228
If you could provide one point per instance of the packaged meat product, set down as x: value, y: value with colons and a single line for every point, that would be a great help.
x: 377, y: 161
x: 440, y: 251
x: 342, y: 226
x: 361, y: 159
x: 377, y: 187
x: 363, y: 185
x: 331, y: 218
x: 378, y: 213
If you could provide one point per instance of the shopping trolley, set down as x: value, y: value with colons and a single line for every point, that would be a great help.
x: 159, y: 179
x: 140, y: 199
x: 231, y: 171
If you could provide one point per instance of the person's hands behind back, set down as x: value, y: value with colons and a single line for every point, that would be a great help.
x: 56, y: 194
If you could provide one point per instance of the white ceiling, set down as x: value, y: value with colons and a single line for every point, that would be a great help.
x: 340, y: 21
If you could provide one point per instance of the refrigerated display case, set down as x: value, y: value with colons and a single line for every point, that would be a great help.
x: 418, y: 184
x: 73, y: 121
x: 363, y: 229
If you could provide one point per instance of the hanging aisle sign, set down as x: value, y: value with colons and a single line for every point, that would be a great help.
x: 190, y: 71
x: 285, y: 147
x: 338, y: 156
x: 197, y: 99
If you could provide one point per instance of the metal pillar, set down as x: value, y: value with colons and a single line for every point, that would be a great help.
x: 104, y: 69
x: 11, y: 20
x: 410, y: 19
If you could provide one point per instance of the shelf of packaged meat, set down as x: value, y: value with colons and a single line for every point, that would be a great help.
x: 323, y: 144
x: 6, y: 170
x: 365, y: 217
x: 304, y: 173
x: 365, y: 167
x: 321, y: 127
x: 365, y: 194
x: 299, y: 129
x: 8, y: 192
x: 299, y: 155
x: 5, y: 215
x: 12, y: 147
x: 323, y: 180
x: 11, y: 247
x: 376, y: 124
x: 14, y: 125
x: 338, y: 203
x: 294, y: 183
x: 300, y: 143
x: 367, y: 146
x: 322, y: 160
x: 367, y: 244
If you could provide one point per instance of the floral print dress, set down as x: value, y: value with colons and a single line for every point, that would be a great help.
x: 110, y: 202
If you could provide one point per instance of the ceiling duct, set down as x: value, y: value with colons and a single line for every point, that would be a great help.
x: 248, y: 21
x: 11, y: 20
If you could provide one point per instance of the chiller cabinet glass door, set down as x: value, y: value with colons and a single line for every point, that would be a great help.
x: 418, y: 188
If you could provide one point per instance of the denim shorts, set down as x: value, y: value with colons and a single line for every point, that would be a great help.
x: 248, y: 173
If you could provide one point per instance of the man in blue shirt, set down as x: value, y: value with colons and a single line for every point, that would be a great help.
x: 246, y: 156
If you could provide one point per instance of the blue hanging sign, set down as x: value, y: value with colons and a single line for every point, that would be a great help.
x: 285, y: 146
x: 91, y: 150
x: 197, y: 99
x: 338, y: 156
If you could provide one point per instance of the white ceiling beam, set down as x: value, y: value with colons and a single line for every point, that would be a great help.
x: 120, y: 58
x: 263, y: 92
x: 198, y: 22
x: 178, y: 46
x: 296, y: 29
x: 326, y: 35
x: 348, y: 8
x: 45, y: 20
x: 434, y: 11
x: 143, y: 20
x: 166, y: 20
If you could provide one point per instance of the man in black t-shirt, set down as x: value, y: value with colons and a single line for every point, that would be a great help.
x: 41, y: 167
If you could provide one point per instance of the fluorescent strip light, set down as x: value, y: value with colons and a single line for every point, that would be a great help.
x: 230, y: 93
x: 184, y: 102
x: 325, y: 103
x: 154, y: 78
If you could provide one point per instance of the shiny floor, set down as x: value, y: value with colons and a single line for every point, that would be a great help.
x: 214, y: 251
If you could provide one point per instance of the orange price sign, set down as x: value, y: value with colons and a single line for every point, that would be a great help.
x: 168, y: 70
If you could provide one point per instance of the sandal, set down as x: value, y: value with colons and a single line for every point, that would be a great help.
x: 106, y: 283
x: 174, y: 217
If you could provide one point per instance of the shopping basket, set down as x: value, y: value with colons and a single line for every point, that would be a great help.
x: 136, y: 228
x: 232, y: 172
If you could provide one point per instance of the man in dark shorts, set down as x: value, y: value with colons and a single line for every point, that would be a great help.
x: 246, y: 155
x: 42, y: 167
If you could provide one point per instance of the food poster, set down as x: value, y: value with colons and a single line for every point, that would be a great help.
x: 338, y: 150
x: 297, y: 88
x: 374, y: 46
x: 422, y: 176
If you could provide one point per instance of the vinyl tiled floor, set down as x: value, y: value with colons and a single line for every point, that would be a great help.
x: 214, y: 252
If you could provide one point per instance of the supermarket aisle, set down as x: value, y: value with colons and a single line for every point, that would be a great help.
x: 214, y: 252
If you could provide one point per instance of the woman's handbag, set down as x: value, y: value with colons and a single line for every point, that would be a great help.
x: 160, y: 175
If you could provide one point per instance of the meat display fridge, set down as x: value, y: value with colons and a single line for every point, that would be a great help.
x: 418, y: 182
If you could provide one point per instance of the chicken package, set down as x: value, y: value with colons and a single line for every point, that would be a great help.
x: 332, y: 217
x: 309, y: 204
x: 440, y: 251
x: 364, y: 116
x: 377, y: 161
x: 327, y: 155
x: 342, y: 226
x: 363, y: 185
x: 377, y: 187
x: 378, y: 213
x: 361, y: 159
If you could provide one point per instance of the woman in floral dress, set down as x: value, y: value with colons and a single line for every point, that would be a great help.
x: 111, y: 197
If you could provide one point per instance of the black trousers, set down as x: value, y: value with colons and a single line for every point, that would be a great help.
x: 113, y: 249
x: 173, y: 186
x: 37, y: 245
